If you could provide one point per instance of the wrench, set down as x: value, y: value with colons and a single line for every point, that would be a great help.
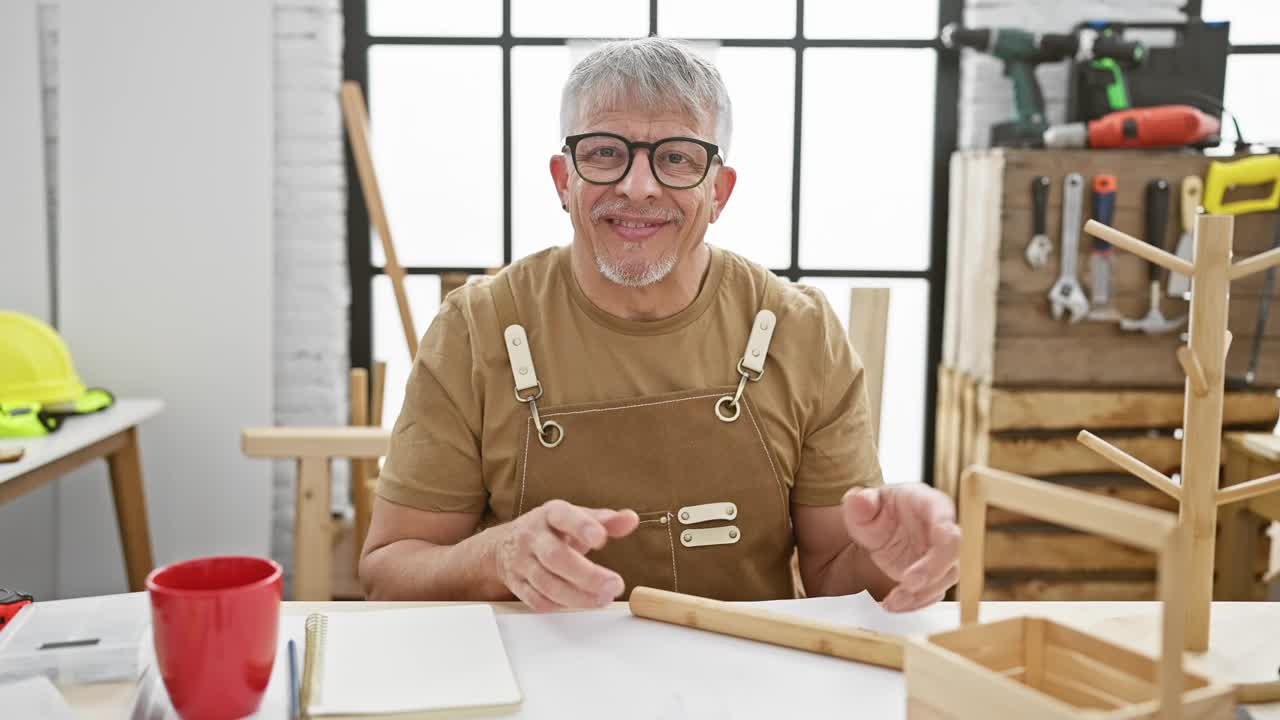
x: 1066, y: 294
x: 1040, y: 247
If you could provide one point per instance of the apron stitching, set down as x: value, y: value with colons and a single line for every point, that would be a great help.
x: 769, y: 457
x: 675, y: 576
x: 524, y: 466
x: 628, y: 407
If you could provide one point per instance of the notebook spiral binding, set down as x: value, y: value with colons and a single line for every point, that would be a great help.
x: 317, y: 628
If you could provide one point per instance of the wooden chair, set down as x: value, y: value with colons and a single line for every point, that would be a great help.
x: 868, y: 330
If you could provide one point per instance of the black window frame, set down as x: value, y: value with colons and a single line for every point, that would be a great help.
x: 946, y: 93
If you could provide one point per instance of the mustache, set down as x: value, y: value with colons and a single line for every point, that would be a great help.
x: 618, y: 205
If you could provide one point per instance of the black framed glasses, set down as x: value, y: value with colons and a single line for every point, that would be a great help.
x: 679, y: 163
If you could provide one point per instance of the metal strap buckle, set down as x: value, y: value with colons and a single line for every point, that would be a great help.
x: 550, y: 432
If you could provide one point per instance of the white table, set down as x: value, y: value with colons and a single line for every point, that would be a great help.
x: 111, y: 435
x: 570, y: 665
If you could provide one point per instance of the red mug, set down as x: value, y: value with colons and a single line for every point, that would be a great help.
x: 214, y: 622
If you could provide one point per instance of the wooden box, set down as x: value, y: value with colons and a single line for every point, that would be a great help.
x: 1033, y: 432
x: 1032, y: 667
x: 997, y: 325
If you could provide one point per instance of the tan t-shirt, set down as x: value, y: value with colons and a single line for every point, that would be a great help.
x: 455, y: 443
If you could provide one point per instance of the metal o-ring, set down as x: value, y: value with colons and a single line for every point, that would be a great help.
x: 545, y: 430
x: 728, y: 399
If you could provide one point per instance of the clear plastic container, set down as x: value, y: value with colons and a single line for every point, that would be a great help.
x: 76, y: 641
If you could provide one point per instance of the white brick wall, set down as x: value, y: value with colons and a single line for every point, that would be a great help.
x: 312, y: 293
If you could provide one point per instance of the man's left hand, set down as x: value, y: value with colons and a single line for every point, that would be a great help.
x: 911, y: 534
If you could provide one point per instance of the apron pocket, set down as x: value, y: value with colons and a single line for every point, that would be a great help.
x: 645, y: 557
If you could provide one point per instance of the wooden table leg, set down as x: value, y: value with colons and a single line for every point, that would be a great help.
x: 312, y: 571
x: 131, y: 510
x: 1238, y: 535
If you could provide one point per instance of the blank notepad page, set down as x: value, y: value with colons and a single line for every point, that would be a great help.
x: 419, y: 660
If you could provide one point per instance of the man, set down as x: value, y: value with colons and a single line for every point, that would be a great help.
x: 641, y: 408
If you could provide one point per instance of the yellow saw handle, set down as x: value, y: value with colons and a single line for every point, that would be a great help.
x: 1249, y: 171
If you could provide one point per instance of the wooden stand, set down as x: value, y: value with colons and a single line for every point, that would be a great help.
x: 1033, y: 667
x: 1204, y: 361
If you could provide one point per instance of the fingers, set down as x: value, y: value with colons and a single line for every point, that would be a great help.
x: 576, y: 522
x: 901, y: 599
x: 866, y: 517
x: 621, y: 523
x: 599, y: 584
x: 942, y: 555
x: 531, y: 597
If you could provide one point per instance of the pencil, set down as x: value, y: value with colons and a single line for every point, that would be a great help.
x: 294, y: 701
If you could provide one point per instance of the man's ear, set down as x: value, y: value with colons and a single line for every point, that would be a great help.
x: 560, y: 176
x: 721, y: 189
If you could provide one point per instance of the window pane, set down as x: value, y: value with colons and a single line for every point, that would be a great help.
x: 537, y: 74
x: 866, y: 187
x: 757, y: 221
x: 727, y: 18
x: 1253, y: 22
x: 844, y: 19
x: 437, y: 145
x: 388, y: 337
x: 414, y: 17
x: 580, y: 18
x: 902, y: 401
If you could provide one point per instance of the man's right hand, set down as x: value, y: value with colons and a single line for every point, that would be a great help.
x: 541, y: 556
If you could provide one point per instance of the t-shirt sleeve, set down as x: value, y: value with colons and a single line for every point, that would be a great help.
x: 434, y: 459
x: 838, y: 450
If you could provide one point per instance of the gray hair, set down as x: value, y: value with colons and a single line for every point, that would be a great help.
x: 648, y: 72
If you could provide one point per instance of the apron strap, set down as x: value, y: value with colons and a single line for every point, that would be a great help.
x: 751, y: 365
x: 520, y: 356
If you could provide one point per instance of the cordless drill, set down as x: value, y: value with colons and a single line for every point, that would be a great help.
x: 1021, y: 51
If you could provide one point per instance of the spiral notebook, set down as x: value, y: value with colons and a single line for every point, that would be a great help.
x: 433, y: 662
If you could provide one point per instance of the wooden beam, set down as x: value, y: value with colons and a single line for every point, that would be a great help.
x: 131, y: 511
x: 1144, y: 250
x: 294, y: 442
x: 312, y: 570
x: 1064, y: 455
x: 1120, y: 409
x: 868, y: 329
x: 1130, y: 463
x: 27, y: 482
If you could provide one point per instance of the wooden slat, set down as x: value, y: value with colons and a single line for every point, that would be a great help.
x: 1064, y: 455
x: 995, y: 646
x: 293, y: 442
x: 1080, y: 668
x: 1027, y: 315
x: 868, y: 329
x: 1054, y: 587
x: 1125, y: 409
x: 1123, y: 362
x: 1008, y: 550
x: 312, y: 572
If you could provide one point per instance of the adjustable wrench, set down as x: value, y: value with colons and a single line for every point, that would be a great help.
x: 1066, y: 294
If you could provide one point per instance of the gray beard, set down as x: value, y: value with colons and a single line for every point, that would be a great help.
x: 635, y: 274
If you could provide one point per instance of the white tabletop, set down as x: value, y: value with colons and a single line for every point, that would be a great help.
x: 78, y: 433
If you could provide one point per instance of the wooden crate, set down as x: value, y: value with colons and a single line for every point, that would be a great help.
x: 997, y: 326
x: 1033, y: 433
x: 1033, y: 667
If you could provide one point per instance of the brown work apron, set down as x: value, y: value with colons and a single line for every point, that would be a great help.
x: 695, y: 465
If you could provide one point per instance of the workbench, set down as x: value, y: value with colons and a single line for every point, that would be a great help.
x: 112, y: 435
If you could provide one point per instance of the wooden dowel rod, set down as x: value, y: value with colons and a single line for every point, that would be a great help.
x: 1194, y: 370
x: 1128, y: 462
x: 751, y: 623
x: 1255, y: 264
x: 379, y: 381
x: 1147, y: 252
x: 1259, y: 692
x: 1249, y: 490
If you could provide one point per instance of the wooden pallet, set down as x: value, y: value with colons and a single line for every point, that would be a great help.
x: 1033, y: 432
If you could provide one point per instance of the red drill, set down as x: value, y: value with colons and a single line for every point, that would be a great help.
x: 1148, y: 127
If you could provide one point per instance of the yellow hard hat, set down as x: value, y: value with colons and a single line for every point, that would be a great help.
x: 35, y: 367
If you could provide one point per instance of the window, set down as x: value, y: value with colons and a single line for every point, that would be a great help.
x: 844, y: 121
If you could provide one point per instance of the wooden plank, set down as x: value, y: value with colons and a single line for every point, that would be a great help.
x: 131, y: 511
x: 1064, y: 455
x: 1238, y: 534
x: 1124, y: 409
x: 23, y: 484
x: 336, y: 441
x: 953, y: 311
x: 868, y: 329
x: 1033, y: 652
x: 942, y: 478
x: 1053, y: 586
x: 1081, y: 668
x: 1027, y: 315
x: 995, y: 646
x: 1026, y: 551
